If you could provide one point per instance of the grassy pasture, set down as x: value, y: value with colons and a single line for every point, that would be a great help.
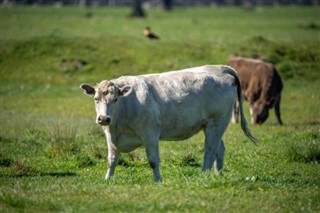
x: 53, y: 155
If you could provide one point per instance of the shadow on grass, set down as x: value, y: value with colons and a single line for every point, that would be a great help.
x: 307, y: 123
x: 40, y: 174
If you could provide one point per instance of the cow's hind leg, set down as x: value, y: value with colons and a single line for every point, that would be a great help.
x: 277, y: 109
x: 214, y: 147
x: 152, y: 151
x: 218, y: 163
x: 151, y: 143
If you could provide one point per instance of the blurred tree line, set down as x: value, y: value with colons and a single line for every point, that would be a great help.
x: 167, y: 5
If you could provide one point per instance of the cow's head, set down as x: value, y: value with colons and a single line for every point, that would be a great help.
x: 106, y: 95
x: 260, y: 112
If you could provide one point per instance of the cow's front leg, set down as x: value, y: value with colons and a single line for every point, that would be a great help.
x: 152, y: 150
x: 252, y: 116
x: 113, y: 157
x: 235, y: 112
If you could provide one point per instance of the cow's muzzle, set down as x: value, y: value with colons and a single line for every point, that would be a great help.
x: 104, y: 120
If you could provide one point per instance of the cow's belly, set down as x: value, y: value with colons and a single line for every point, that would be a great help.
x: 181, y: 121
x: 127, y: 142
x: 180, y: 132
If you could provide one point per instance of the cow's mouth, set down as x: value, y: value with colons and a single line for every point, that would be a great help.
x: 103, y: 120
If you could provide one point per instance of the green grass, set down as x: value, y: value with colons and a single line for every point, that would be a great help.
x: 53, y: 155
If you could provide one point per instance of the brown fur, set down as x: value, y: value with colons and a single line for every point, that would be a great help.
x: 261, y: 86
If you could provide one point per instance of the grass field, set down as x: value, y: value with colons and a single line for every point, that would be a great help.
x: 53, y: 155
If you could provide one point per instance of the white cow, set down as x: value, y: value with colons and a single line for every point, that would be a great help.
x: 140, y: 110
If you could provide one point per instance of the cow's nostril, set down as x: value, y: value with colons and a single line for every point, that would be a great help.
x: 100, y: 119
x: 108, y: 120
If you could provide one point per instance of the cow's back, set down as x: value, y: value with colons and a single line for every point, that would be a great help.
x: 257, y: 75
x: 183, y: 100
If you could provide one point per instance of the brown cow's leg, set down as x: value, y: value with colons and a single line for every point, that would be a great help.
x: 277, y: 109
x: 252, y: 116
x: 235, y: 112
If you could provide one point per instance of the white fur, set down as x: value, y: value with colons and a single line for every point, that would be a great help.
x: 171, y: 106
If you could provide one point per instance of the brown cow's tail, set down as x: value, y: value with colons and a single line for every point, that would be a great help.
x: 244, y: 124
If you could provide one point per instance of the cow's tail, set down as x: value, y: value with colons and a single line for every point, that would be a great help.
x: 244, y: 124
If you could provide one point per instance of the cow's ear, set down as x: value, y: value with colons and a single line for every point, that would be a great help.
x: 125, y: 90
x: 88, y: 90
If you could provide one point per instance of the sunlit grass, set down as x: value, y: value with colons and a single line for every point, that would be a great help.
x: 53, y: 155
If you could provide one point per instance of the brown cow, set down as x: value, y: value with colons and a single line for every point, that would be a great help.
x: 261, y: 86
